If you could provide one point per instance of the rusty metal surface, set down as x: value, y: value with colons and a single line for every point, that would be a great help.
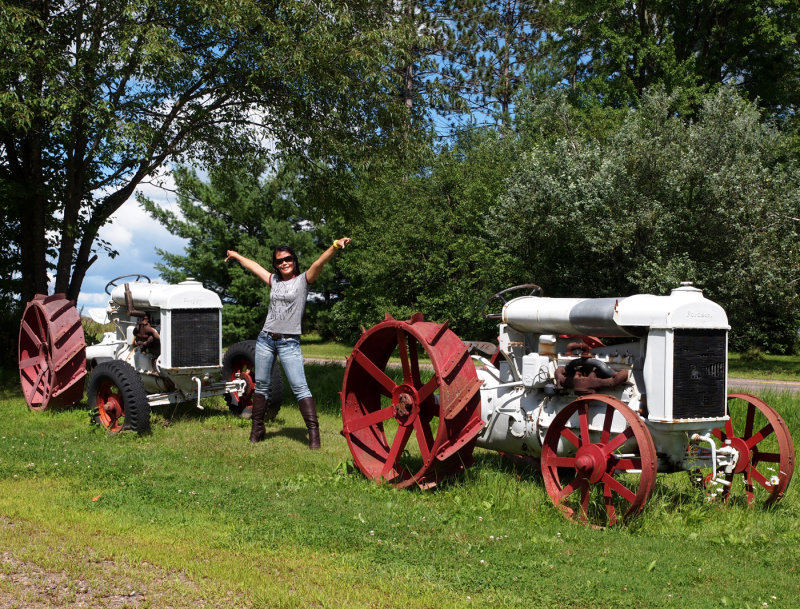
x: 410, y: 432
x: 52, y: 356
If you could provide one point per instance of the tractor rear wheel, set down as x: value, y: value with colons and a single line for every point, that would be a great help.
x: 117, y: 398
x: 52, y: 353
x: 239, y: 361
x: 402, y: 429
x: 601, y: 462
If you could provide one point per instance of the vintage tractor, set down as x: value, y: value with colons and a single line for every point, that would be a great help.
x: 166, y: 349
x: 602, y: 419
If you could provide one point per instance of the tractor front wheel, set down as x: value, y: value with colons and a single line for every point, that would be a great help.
x: 598, y: 458
x: 117, y: 398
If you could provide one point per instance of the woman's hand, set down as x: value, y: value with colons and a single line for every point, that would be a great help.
x: 340, y: 244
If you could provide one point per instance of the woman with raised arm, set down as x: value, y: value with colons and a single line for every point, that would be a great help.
x: 281, y: 332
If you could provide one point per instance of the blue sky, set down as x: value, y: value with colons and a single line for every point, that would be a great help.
x: 135, y: 235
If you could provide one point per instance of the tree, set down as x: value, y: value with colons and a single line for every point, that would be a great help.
x: 617, y: 50
x: 421, y: 243
x: 491, y: 48
x: 663, y: 200
x: 97, y: 96
x: 239, y: 208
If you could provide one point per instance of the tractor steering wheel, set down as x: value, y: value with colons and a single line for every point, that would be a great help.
x: 113, y: 283
x: 533, y: 290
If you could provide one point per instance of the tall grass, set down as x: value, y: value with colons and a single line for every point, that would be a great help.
x: 193, y: 513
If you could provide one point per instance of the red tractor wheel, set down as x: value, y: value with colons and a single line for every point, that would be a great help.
x: 765, y: 447
x: 52, y: 355
x: 409, y: 431
x: 603, y: 461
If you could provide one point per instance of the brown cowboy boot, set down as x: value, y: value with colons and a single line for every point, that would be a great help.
x: 257, y: 429
x: 309, y: 411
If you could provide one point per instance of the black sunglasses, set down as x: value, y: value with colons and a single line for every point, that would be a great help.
x: 279, y: 261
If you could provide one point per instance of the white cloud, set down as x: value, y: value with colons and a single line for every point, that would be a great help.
x: 135, y: 235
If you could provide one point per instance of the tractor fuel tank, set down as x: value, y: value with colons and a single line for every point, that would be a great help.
x: 685, y: 307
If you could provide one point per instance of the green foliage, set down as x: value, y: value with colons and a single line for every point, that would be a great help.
x: 617, y: 50
x: 239, y: 209
x: 96, y: 97
x: 663, y: 200
x: 491, y: 47
x: 421, y: 244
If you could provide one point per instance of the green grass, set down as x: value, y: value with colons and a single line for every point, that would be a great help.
x: 192, y: 512
x: 772, y: 367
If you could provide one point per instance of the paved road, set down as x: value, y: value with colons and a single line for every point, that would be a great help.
x: 734, y: 384
x: 755, y: 385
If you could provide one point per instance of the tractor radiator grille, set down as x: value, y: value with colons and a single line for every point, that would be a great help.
x: 195, y: 338
x: 698, y: 374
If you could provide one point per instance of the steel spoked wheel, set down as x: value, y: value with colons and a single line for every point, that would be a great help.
x: 402, y: 427
x: 598, y: 459
x: 117, y: 398
x: 765, y: 451
x: 52, y: 355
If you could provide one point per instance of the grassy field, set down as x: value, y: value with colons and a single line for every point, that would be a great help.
x: 192, y: 515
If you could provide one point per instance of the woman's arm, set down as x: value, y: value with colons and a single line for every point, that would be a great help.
x: 315, y: 269
x: 251, y: 265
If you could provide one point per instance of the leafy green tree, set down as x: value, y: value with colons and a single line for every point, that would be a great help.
x: 663, y: 200
x: 421, y: 243
x: 94, y: 97
x: 490, y: 49
x: 239, y: 208
x: 618, y: 49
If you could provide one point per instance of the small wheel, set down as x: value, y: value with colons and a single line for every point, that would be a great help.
x: 598, y: 457
x: 409, y: 431
x: 240, y: 360
x: 531, y: 288
x: 765, y: 448
x: 117, y: 398
x: 52, y: 353
x: 113, y: 283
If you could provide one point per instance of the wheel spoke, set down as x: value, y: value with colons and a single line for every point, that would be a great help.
x: 413, y: 355
x: 386, y: 383
x: 609, y: 418
x: 35, y: 386
x: 37, y: 342
x: 628, y: 464
x: 428, y: 388
x: 372, y: 418
x: 563, y: 493
x: 619, y: 488
x: 585, y: 502
x: 31, y: 361
x: 398, y: 444
x: 583, y: 417
x: 570, y: 436
x: 618, y: 441
x: 562, y: 462
x: 424, y: 438
x: 756, y: 475
x: 608, y: 500
x: 402, y: 346
x: 748, y: 427
x: 766, y: 458
x: 763, y: 433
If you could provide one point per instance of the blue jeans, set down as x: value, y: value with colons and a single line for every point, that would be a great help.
x: 288, y: 349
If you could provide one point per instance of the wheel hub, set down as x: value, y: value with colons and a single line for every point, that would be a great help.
x: 743, y: 461
x: 406, y: 404
x: 590, y: 462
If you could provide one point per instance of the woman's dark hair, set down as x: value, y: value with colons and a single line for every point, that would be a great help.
x: 285, y: 248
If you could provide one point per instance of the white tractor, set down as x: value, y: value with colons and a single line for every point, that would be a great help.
x: 602, y: 417
x: 166, y: 348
